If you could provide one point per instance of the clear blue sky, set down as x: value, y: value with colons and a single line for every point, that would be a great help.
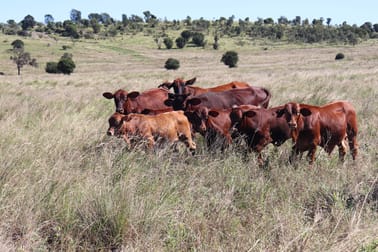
x: 351, y: 11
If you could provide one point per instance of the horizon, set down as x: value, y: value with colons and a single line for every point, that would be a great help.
x: 338, y: 11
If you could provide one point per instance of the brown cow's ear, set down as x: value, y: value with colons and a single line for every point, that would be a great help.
x: 133, y: 95
x: 305, y: 111
x: 168, y: 102
x: 108, y: 95
x: 190, y: 82
x: 213, y: 113
x: 280, y: 112
x: 194, y: 101
x: 165, y: 85
x: 250, y: 113
x: 125, y: 118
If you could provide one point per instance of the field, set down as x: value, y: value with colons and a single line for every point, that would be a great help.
x: 66, y: 186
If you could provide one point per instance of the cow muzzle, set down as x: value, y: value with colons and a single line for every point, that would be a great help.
x: 110, y: 132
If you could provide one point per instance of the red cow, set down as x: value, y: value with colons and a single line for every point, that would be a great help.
x: 257, y: 96
x: 169, y: 127
x: 325, y: 126
x: 136, y: 102
x: 181, y: 87
x: 260, y: 126
x: 213, y: 124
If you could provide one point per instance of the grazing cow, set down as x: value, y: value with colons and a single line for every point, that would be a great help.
x: 257, y: 96
x: 165, y: 127
x: 260, y: 126
x: 325, y: 126
x: 213, y: 124
x: 181, y: 87
x: 136, y: 102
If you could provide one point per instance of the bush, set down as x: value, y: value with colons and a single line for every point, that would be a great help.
x: 172, y: 64
x: 198, y: 39
x: 180, y: 42
x: 66, y: 65
x: 339, y: 56
x: 168, y: 43
x: 230, y: 58
x: 17, y: 44
x: 51, y: 67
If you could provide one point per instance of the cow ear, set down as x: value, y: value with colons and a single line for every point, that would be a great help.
x: 108, y: 95
x: 194, y: 101
x: 168, y: 103
x: 145, y: 111
x: 190, y: 82
x: 280, y: 113
x: 165, y: 85
x: 213, y: 113
x: 133, y: 95
x: 250, y: 113
x: 126, y: 118
x: 305, y: 112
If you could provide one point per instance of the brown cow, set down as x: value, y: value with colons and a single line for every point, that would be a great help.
x: 325, y: 126
x: 259, y: 127
x: 257, y: 96
x: 213, y: 124
x: 169, y: 127
x: 181, y: 87
x: 136, y: 102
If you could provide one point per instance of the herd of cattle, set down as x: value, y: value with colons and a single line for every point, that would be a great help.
x: 229, y: 111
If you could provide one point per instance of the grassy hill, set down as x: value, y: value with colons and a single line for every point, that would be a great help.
x: 65, y: 185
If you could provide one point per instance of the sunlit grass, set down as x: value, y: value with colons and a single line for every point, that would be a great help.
x: 66, y: 186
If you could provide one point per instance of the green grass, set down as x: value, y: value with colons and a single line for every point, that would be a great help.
x: 66, y: 186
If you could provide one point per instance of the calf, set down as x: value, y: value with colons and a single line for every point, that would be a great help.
x: 170, y: 126
x: 181, y: 87
x: 135, y: 102
x: 259, y: 127
x: 325, y: 126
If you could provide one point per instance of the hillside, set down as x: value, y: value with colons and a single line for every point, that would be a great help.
x: 66, y: 186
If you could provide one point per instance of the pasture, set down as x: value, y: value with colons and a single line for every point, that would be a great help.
x: 66, y: 186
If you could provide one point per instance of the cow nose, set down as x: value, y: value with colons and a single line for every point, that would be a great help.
x: 110, y: 133
x: 293, y: 125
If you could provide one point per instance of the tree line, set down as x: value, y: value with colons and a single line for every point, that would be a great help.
x: 102, y: 25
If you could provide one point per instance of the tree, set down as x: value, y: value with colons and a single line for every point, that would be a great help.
x: 21, y: 58
x: 75, y: 16
x: 230, y: 58
x: 18, y: 44
x: 180, y: 42
x: 168, y: 42
x: 172, y: 64
x: 28, y: 22
x: 66, y: 65
x: 198, y: 39
x: 49, y: 19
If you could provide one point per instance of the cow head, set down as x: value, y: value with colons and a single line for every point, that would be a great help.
x: 115, y: 124
x: 179, y: 85
x: 120, y: 97
x: 177, y: 102
x: 198, y: 118
x: 293, y: 112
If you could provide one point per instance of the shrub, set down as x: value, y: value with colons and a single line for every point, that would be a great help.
x: 51, y: 67
x: 168, y: 42
x: 18, y: 44
x: 198, y: 39
x: 230, y: 58
x: 66, y: 65
x: 339, y: 56
x: 180, y: 42
x: 172, y: 64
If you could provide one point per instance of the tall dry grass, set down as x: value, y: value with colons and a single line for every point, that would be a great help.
x: 65, y: 186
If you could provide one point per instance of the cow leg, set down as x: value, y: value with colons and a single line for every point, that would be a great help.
x: 342, y: 150
x: 186, y: 137
x: 352, y: 140
x: 294, y: 154
x: 311, y: 154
